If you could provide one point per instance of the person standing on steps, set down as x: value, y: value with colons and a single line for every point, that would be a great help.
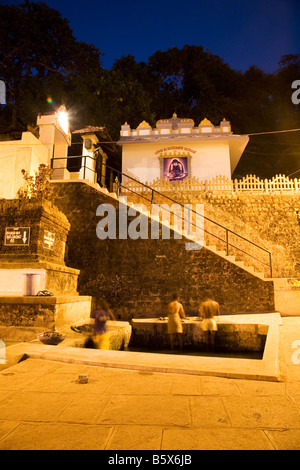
x: 175, y: 313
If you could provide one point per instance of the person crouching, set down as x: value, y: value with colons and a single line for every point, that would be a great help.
x: 101, y: 314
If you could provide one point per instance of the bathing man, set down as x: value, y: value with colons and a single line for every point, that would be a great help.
x: 175, y: 313
x: 208, y: 310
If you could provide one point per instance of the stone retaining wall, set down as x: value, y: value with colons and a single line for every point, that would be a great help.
x: 138, y: 277
x: 24, y: 317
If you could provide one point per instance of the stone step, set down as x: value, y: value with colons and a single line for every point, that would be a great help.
x: 221, y: 253
x: 241, y: 264
x: 260, y: 275
x: 211, y: 248
x: 250, y: 269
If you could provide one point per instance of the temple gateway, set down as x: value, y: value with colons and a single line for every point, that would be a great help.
x: 175, y: 150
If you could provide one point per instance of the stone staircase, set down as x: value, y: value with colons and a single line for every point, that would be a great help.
x: 190, y: 238
x: 240, y: 264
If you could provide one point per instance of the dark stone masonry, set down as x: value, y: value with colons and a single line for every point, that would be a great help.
x: 137, y: 277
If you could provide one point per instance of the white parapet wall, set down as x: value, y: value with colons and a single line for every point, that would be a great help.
x: 287, y: 296
x: 22, y: 281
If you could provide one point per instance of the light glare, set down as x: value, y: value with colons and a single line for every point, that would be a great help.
x: 63, y: 120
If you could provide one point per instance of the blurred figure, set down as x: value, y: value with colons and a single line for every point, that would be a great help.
x: 208, y: 310
x: 101, y: 314
x: 175, y: 313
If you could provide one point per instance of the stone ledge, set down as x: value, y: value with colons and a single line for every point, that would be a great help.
x: 36, y: 264
x: 51, y: 300
x: 27, y: 313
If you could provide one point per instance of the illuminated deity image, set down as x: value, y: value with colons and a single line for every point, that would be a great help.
x: 175, y: 169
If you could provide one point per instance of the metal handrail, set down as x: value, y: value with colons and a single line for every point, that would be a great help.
x: 227, y: 230
x: 82, y: 157
x: 153, y: 191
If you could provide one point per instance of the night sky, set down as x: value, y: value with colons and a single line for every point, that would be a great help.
x: 241, y: 32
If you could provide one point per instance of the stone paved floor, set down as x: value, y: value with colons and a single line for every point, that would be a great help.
x: 43, y: 407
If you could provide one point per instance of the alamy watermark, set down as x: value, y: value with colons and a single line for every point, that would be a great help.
x: 133, y: 222
x: 2, y: 92
x: 2, y: 352
x: 296, y: 94
x: 296, y: 353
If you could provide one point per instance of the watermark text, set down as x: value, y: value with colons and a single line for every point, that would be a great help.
x: 2, y: 353
x: 161, y: 222
x: 296, y: 94
x: 296, y: 353
x: 2, y: 92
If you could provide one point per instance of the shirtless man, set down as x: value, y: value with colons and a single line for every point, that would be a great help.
x: 175, y: 314
x: 208, y: 310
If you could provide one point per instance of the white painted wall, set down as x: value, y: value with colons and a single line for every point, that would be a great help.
x: 15, y: 155
x: 208, y: 159
x: 88, y: 172
x: 139, y: 161
x: 13, y: 281
x: 30, y: 152
x: 212, y: 159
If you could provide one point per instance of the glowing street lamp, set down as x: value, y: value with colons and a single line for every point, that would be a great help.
x: 63, y: 120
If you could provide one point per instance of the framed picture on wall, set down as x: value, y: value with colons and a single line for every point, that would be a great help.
x: 175, y: 168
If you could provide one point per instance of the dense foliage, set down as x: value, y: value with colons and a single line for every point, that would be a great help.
x: 44, y: 66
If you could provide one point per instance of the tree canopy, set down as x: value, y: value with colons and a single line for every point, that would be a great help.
x: 41, y: 59
x: 40, y: 56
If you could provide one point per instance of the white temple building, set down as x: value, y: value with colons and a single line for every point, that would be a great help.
x: 175, y: 150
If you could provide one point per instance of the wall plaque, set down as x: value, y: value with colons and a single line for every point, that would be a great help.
x: 17, y: 236
x: 48, y: 240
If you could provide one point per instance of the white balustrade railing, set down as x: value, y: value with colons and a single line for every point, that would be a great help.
x: 250, y: 183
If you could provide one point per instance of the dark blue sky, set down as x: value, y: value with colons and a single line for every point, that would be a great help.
x: 241, y: 32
